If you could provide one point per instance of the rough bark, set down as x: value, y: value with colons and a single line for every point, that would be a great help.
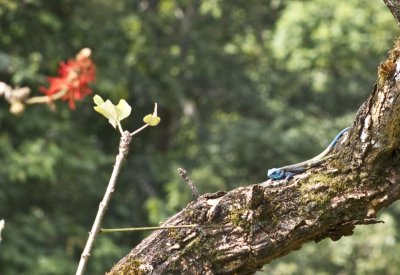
x: 246, y: 228
x: 394, y: 7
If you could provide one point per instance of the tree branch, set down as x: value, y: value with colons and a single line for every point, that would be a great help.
x: 122, y: 153
x: 262, y: 222
x: 394, y: 7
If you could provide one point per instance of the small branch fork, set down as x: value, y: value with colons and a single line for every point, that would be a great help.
x: 126, y: 138
x: 182, y: 172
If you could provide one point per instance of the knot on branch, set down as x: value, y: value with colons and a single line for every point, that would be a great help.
x: 124, y: 143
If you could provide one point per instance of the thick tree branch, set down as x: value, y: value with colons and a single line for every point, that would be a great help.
x: 394, y: 7
x: 262, y: 222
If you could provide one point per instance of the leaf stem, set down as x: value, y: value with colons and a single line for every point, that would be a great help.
x: 138, y: 130
x: 120, y: 128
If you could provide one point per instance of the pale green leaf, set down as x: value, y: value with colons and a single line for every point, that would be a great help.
x: 108, y: 110
x: 152, y: 120
x: 98, y: 100
x: 123, y: 109
x: 113, y: 113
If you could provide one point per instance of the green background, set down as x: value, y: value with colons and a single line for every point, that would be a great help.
x: 242, y: 86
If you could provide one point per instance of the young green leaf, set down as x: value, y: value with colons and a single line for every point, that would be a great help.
x: 123, y: 109
x: 152, y: 119
x: 98, y: 100
x: 113, y: 113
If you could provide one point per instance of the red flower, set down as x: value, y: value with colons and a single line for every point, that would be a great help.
x: 74, y: 77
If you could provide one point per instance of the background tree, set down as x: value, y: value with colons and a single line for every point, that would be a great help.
x: 236, y: 82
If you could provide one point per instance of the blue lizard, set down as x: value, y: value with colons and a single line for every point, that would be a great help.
x: 287, y: 172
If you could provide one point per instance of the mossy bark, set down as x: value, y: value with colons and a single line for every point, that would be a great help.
x: 255, y: 224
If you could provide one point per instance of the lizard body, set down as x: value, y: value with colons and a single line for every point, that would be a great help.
x: 287, y: 172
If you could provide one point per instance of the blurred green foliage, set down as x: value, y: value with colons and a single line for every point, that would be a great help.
x: 242, y: 86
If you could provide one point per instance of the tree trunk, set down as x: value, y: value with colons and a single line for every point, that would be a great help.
x: 246, y: 228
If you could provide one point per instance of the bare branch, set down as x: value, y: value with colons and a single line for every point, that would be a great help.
x: 182, y: 172
x: 123, y: 151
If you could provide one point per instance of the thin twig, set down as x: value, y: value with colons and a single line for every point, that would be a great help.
x: 138, y: 130
x: 148, y: 228
x: 46, y: 98
x: 123, y: 151
x: 182, y: 172
x: 2, y: 223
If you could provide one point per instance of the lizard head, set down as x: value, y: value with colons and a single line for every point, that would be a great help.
x: 276, y: 174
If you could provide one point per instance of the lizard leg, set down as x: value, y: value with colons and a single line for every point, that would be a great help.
x: 289, y: 176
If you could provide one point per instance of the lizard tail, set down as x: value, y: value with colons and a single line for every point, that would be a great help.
x: 332, y: 144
